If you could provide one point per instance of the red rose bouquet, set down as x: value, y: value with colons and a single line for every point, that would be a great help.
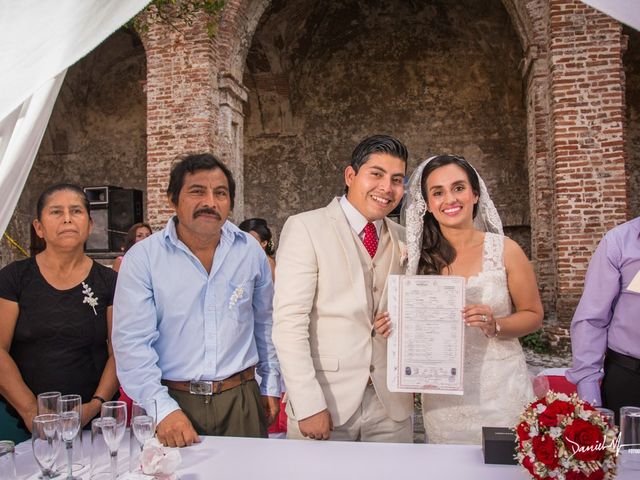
x: 565, y: 438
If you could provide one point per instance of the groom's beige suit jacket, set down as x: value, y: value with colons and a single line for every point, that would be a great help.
x: 323, y: 320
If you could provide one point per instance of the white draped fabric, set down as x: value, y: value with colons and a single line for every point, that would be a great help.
x: 39, y: 40
x: 625, y: 11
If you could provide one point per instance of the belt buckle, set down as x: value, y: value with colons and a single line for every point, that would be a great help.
x: 201, y: 387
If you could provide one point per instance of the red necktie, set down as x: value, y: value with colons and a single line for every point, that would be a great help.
x: 370, y: 239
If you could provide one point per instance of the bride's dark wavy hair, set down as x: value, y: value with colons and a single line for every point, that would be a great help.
x: 437, y: 253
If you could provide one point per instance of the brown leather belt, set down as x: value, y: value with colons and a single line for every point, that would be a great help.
x: 205, y: 387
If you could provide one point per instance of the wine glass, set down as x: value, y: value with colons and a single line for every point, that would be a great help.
x: 143, y: 420
x: 114, y: 423
x: 45, y: 441
x: 143, y: 427
x: 48, y: 402
x: 70, y: 407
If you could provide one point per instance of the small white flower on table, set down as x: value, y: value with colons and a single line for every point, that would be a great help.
x: 158, y: 461
x: 89, y: 298
x: 235, y: 296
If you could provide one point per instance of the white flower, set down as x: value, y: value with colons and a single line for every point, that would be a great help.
x: 89, y: 298
x: 555, y: 432
x: 159, y: 461
x: 235, y: 296
x: 584, y: 414
x: 404, y: 253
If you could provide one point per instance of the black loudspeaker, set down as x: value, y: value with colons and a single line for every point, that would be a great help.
x: 113, y: 210
x: 125, y: 209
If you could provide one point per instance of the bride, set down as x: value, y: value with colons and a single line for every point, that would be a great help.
x: 453, y: 228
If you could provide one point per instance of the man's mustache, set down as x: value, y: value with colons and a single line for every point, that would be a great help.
x: 207, y: 211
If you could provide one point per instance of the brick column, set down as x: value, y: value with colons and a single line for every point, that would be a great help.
x: 587, y: 112
x: 535, y: 72
x: 182, y: 104
x: 233, y: 96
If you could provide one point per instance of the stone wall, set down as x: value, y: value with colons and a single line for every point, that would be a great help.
x: 442, y: 76
x: 96, y: 134
x: 540, y: 95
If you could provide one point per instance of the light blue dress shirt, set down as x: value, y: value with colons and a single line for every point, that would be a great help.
x: 172, y: 320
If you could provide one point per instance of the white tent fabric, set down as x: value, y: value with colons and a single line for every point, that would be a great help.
x: 39, y: 40
x: 625, y: 11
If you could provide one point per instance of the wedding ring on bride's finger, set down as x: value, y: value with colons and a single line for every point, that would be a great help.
x: 484, y: 318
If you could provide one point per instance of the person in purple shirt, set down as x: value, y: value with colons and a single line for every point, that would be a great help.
x: 605, y: 331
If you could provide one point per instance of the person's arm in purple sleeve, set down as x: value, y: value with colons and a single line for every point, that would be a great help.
x: 591, y: 320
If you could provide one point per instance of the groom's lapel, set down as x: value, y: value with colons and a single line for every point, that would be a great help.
x: 349, y: 251
x: 394, y: 267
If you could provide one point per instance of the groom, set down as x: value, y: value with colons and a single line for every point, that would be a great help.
x: 332, y: 271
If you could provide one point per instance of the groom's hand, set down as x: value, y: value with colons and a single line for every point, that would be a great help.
x: 318, y: 426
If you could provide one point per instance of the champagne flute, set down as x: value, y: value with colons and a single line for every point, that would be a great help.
x: 70, y: 407
x: 48, y: 402
x: 143, y: 427
x: 114, y: 423
x: 45, y: 441
x: 143, y: 420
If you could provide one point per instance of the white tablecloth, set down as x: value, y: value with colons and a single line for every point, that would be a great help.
x: 227, y: 458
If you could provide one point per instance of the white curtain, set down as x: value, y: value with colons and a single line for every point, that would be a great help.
x: 39, y: 40
x: 625, y: 11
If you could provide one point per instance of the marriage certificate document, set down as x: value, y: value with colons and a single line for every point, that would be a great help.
x: 425, y: 351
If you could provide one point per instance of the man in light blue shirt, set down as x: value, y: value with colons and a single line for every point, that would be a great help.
x: 192, y: 315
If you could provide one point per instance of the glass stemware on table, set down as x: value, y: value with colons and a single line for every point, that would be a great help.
x: 45, y: 441
x: 629, y: 446
x: 70, y: 407
x: 47, y: 403
x: 114, y: 423
x: 143, y: 427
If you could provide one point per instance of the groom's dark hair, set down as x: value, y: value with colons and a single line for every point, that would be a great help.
x: 377, y: 144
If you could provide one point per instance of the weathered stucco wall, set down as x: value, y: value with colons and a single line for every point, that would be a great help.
x: 442, y: 76
x: 97, y: 131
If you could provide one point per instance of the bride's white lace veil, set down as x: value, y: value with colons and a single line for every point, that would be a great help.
x: 415, y: 207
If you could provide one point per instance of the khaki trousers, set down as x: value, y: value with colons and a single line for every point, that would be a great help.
x: 236, y: 412
x: 369, y: 423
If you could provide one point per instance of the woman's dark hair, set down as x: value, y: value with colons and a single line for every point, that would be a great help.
x: 44, y: 197
x: 259, y: 225
x: 437, y: 253
x: 191, y: 164
x: 130, y: 239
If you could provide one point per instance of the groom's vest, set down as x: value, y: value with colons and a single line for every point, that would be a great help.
x: 375, y: 269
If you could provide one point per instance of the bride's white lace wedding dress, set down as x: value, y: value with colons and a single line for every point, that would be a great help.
x: 497, y: 386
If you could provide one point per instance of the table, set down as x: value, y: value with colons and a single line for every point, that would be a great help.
x: 230, y: 458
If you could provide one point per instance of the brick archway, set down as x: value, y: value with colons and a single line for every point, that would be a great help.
x: 573, y: 86
x: 236, y: 32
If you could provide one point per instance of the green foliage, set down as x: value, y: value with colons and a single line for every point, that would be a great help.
x: 535, y: 341
x: 173, y: 12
